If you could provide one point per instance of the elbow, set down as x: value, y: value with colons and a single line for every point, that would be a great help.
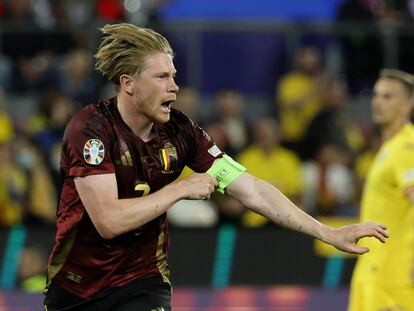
x: 108, y: 220
x: 255, y: 197
x: 106, y: 227
x: 251, y: 199
x: 106, y: 233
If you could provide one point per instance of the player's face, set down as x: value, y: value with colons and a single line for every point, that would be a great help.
x: 155, y: 89
x: 390, y: 102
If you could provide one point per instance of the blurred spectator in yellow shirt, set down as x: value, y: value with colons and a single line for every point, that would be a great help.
x: 267, y: 160
x: 13, y: 182
x: 298, y: 95
x: 27, y: 192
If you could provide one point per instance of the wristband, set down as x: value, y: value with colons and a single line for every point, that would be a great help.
x: 225, y: 171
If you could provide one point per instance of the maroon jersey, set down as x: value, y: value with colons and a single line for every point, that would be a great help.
x: 97, y: 141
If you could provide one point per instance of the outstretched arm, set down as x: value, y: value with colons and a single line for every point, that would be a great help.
x: 266, y: 200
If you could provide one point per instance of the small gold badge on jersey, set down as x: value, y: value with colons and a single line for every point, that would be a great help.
x: 93, y: 151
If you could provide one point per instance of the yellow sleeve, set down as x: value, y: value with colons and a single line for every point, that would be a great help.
x: 404, y: 167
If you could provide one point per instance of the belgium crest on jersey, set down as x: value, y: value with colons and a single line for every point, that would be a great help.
x: 169, y: 158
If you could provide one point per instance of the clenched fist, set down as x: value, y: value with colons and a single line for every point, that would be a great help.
x: 198, y: 186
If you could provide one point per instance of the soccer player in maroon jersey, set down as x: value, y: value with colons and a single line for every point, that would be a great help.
x: 120, y: 160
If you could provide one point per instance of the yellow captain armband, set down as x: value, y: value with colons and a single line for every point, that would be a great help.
x: 225, y: 172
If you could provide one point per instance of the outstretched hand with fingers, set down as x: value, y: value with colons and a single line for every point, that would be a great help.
x: 346, y: 238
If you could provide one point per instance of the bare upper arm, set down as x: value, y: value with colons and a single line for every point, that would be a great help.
x: 97, y: 193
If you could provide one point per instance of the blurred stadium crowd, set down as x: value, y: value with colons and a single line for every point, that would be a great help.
x: 309, y: 146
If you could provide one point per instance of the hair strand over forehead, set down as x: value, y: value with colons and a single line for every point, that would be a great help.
x: 125, y: 48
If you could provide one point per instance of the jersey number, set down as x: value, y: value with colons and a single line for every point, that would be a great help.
x: 145, y: 188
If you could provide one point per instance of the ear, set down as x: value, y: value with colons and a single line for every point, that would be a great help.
x: 411, y: 109
x: 126, y: 83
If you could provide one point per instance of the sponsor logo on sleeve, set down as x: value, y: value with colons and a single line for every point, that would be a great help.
x: 214, y: 151
x: 93, y: 151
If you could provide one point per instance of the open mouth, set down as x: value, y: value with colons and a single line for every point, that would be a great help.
x: 166, y: 106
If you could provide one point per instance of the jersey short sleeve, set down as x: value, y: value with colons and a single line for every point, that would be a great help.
x: 86, y: 146
x: 202, y: 149
x: 404, y: 167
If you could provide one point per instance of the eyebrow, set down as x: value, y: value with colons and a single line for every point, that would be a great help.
x: 375, y: 92
x: 167, y: 72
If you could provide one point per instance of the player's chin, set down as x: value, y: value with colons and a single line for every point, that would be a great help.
x: 163, y: 118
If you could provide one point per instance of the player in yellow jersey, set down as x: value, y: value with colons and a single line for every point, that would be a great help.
x: 383, y: 279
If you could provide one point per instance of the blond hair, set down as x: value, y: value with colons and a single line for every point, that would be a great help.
x: 406, y: 79
x: 124, y: 49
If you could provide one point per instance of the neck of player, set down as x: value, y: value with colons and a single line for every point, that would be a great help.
x: 139, y: 124
x: 389, y: 130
